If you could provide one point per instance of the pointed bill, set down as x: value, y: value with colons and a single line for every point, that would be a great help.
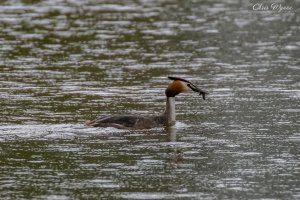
x: 191, y: 85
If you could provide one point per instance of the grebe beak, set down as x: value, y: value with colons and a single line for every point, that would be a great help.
x: 191, y: 86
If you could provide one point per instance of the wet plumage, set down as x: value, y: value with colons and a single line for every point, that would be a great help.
x: 177, y: 86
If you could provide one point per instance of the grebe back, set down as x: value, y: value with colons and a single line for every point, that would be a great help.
x: 167, y: 118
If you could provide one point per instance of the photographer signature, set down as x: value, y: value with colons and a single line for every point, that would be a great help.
x: 278, y: 7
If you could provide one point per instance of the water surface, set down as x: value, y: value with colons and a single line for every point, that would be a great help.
x: 63, y: 62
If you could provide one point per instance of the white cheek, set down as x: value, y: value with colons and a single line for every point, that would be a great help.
x: 185, y: 88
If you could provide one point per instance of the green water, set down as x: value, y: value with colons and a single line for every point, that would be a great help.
x: 64, y: 62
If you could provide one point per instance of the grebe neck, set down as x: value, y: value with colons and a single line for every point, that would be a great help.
x: 170, y: 113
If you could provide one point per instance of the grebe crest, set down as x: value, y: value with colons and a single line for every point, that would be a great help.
x: 167, y: 118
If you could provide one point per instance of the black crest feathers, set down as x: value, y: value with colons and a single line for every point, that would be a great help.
x: 190, y: 85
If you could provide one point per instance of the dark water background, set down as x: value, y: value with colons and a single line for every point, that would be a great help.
x: 62, y: 62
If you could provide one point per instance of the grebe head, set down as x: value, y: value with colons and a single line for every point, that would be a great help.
x: 179, y: 85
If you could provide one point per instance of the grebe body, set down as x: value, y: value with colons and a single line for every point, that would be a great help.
x: 128, y: 122
x: 168, y: 118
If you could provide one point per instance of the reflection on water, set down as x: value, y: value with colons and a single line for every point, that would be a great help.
x: 62, y: 62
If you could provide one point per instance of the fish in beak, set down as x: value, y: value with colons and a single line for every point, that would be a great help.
x: 180, y: 85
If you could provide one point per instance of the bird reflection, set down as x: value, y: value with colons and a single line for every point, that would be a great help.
x: 175, y: 152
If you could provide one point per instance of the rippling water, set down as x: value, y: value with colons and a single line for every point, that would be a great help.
x: 62, y: 62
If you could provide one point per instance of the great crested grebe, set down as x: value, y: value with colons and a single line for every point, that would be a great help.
x: 167, y: 118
